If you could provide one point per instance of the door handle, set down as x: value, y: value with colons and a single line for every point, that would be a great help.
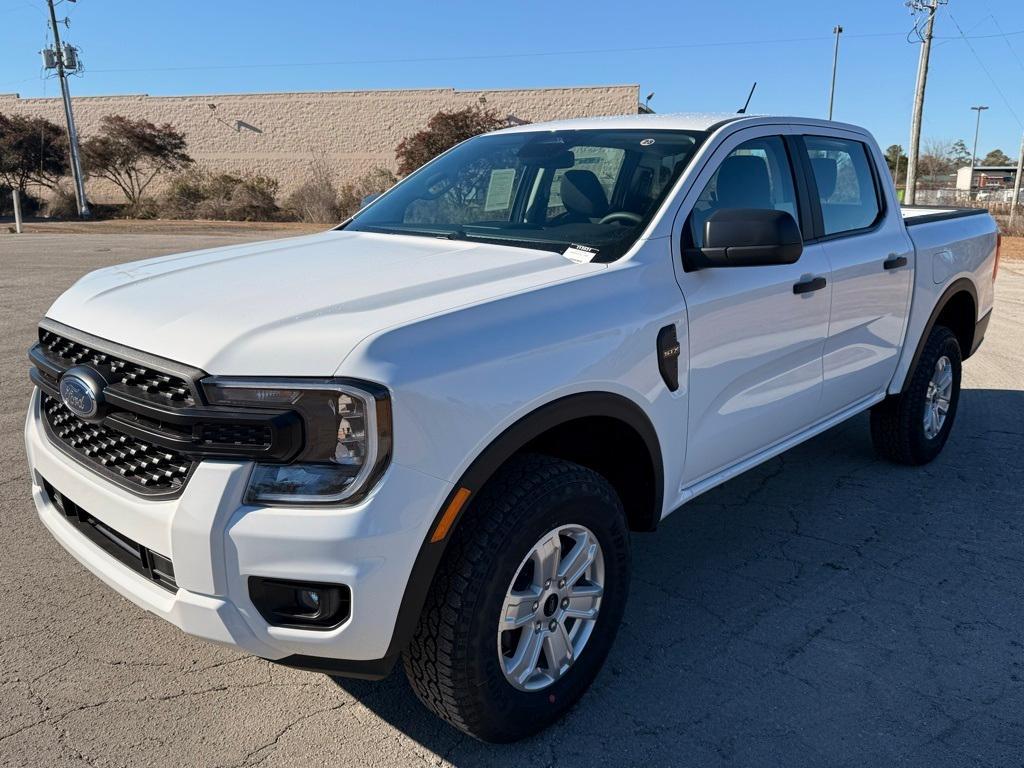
x: 809, y: 285
x: 894, y: 262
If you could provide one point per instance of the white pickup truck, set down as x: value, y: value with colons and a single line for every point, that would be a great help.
x: 428, y: 433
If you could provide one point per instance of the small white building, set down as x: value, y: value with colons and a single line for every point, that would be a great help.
x: 990, y: 176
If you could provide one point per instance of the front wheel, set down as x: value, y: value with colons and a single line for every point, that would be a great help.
x: 912, y: 427
x: 526, y: 603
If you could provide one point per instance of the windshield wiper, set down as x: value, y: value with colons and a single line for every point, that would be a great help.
x: 444, y: 234
x: 539, y: 243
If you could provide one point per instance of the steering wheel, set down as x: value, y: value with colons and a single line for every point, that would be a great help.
x: 626, y: 217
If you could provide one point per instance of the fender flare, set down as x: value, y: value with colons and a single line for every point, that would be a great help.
x: 491, y: 459
x: 960, y: 285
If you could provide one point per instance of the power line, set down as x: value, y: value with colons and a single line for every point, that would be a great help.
x: 511, y: 54
x: 1006, y: 39
x: 986, y: 71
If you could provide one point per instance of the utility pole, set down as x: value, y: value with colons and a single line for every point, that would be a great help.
x: 837, y: 31
x: 977, y: 128
x: 1016, y: 186
x: 932, y: 6
x: 76, y: 163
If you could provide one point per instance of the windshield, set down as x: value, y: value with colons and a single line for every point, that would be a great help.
x: 594, y: 190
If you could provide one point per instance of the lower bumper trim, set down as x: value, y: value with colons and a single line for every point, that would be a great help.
x: 152, y: 565
x: 373, y: 669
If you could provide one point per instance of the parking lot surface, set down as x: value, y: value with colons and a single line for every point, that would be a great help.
x: 826, y: 608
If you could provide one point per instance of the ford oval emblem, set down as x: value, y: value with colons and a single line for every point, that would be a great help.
x: 81, y: 391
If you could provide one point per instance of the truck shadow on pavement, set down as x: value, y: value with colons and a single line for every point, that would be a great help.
x: 825, y: 608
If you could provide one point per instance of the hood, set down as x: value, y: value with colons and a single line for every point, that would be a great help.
x: 297, y: 306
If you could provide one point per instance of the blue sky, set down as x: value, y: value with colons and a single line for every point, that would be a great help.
x: 694, y: 55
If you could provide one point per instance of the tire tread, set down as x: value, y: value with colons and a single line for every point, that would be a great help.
x: 437, y: 656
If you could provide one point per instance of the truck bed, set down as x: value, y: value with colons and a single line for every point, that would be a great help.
x: 923, y: 214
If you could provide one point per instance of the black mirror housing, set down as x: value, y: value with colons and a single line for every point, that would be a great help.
x: 749, y: 237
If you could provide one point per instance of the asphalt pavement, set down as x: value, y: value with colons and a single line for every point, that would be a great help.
x: 825, y: 609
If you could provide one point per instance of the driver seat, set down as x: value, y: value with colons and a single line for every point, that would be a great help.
x: 583, y: 197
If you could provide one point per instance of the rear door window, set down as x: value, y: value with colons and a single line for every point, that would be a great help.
x: 846, y: 185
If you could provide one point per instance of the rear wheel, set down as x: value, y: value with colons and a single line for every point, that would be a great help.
x: 912, y: 427
x: 526, y: 603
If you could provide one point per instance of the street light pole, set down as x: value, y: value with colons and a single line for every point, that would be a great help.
x: 977, y: 128
x: 837, y: 31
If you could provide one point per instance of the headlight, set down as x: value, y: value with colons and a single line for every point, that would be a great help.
x: 347, y: 436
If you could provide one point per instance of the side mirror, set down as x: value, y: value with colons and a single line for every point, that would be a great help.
x: 369, y: 199
x: 749, y: 237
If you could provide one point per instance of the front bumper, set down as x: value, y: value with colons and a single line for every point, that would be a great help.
x: 216, y: 542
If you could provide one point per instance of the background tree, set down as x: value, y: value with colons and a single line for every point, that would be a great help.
x: 32, y: 151
x: 934, y: 160
x: 132, y: 153
x: 959, y: 154
x: 996, y: 157
x: 895, y: 158
x: 444, y: 130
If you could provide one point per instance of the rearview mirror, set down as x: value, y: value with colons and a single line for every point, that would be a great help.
x: 748, y: 237
x: 547, y: 153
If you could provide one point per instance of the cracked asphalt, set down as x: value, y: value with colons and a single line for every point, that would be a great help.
x: 826, y: 608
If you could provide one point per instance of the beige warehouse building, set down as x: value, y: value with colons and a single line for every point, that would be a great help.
x: 279, y: 134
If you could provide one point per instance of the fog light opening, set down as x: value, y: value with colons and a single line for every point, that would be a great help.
x: 300, y: 604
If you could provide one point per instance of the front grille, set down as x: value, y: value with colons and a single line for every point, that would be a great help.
x: 153, y: 566
x: 133, y: 462
x: 236, y: 434
x: 134, y: 378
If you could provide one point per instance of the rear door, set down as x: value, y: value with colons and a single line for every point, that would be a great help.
x: 870, y: 257
x: 755, y: 345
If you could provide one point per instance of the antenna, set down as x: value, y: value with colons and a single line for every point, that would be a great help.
x: 743, y: 110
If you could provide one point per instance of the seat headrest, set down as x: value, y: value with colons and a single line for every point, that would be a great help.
x: 583, y: 195
x: 825, y: 172
x: 743, y: 182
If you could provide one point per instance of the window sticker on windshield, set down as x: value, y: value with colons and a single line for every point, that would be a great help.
x: 499, y: 189
x: 646, y: 142
x: 581, y: 254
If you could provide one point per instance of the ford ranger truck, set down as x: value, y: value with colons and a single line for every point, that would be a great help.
x: 428, y: 434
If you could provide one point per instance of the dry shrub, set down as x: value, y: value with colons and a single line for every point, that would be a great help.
x: 62, y: 205
x: 199, y: 194
x: 316, y: 200
x: 30, y: 204
x: 376, y: 181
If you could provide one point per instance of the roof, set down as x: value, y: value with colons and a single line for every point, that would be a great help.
x: 680, y: 121
x: 1004, y: 168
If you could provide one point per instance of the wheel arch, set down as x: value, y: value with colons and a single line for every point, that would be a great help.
x: 545, y: 428
x: 956, y: 309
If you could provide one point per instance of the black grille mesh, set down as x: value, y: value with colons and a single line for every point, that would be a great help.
x: 139, y: 463
x: 236, y: 434
x: 153, y: 384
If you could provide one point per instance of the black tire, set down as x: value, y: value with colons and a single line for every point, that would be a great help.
x: 452, y: 661
x: 897, y: 423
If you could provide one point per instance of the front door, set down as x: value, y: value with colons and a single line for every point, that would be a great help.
x: 755, y: 375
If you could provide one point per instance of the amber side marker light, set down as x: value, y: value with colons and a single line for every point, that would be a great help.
x: 445, y: 523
